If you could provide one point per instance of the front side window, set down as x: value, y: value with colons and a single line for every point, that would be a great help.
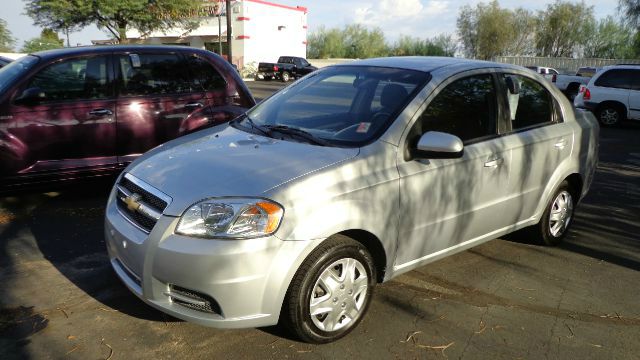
x: 74, y: 79
x: 616, y: 78
x: 342, y: 105
x: 153, y: 74
x: 466, y: 108
x: 530, y: 104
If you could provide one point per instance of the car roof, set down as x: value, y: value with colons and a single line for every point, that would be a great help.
x: 428, y: 63
x: 100, y: 49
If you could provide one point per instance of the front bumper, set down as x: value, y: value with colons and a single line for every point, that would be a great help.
x: 218, y: 283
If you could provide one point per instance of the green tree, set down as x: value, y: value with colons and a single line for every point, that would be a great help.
x: 324, y: 44
x: 631, y: 8
x: 487, y: 30
x: 6, y: 39
x: 114, y: 16
x: 361, y: 42
x: 523, y: 40
x: 354, y: 41
x: 563, y: 28
x: 441, y: 45
x: 610, y: 39
x: 48, y: 40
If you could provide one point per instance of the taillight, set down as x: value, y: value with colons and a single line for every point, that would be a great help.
x: 275, y: 68
x: 554, y: 78
x: 587, y: 94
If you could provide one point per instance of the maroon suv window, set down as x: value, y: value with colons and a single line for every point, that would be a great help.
x: 153, y: 74
x: 74, y: 79
x: 205, y: 76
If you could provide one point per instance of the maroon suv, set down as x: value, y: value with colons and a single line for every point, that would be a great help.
x: 82, y: 112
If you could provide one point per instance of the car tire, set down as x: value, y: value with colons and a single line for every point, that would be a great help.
x: 557, y: 217
x: 610, y: 115
x: 337, y: 305
x: 285, y: 76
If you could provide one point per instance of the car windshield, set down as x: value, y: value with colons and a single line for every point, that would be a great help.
x: 15, y: 70
x: 346, y: 106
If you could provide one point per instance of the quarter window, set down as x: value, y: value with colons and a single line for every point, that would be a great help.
x: 530, y: 104
x: 75, y: 79
x: 617, y: 78
x: 153, y: 74
x: 466, y: 108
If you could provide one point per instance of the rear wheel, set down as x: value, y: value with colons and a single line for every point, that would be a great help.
x: 286, y: 76
x: 330, y: 292
x: 610, y: 115
x: 557, y: 217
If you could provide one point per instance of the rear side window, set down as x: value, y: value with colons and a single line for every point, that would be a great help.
x: 153, y: 74
x: 74, y: 79
x: 616, y: 78
x: 530, y: 104
x: 466, y: 108
x: 205, y: 77
x: 635, y: 80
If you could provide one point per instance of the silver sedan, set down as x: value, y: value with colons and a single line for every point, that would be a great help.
x: 349, y: 177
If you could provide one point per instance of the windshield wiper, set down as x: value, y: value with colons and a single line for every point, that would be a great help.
x: 253, y: 125
x: 293, y: 131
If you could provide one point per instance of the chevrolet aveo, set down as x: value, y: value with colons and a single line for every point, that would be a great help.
x: 349, y: 177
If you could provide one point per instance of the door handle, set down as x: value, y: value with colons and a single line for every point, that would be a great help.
x: 494, y: 163
x: 561, y: 144
x: 101, y: 112
x: 194, y: 105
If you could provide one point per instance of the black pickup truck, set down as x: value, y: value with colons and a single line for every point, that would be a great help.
x: 287, y: 68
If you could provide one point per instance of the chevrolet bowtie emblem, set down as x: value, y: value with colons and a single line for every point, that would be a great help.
x: 132, y: 201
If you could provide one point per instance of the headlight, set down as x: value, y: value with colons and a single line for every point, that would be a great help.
x: 231, y: 218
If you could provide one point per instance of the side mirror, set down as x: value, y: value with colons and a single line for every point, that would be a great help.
x: 439, y: 145
x: 31, y: 96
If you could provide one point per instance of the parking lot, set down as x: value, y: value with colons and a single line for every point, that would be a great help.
x: 504, y: 299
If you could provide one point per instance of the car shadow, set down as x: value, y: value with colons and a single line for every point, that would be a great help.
x: 68, y: 229
x: 607, y: 221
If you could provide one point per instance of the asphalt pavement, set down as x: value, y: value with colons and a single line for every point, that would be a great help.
x: 505, y: 299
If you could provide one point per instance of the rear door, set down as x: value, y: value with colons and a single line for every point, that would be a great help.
x: 155, y: 95
x: 539, y: 141
x: 72, y: 128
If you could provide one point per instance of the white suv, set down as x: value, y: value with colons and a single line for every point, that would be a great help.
x: 613, y: 94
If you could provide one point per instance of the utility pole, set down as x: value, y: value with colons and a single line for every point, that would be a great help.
x: 229, y: 37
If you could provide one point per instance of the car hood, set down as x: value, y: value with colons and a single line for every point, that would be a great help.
x: 225, y: 161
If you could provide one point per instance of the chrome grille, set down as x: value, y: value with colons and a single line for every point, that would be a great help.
x: 140, y: 203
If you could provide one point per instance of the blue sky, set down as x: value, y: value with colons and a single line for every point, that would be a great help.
x: 420, y: 18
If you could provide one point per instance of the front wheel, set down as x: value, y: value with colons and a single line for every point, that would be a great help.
x: 330, y: 292
x: 557, y: 217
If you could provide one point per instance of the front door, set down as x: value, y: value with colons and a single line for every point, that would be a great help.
x: 447, y: 202
x: 71, y: 127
